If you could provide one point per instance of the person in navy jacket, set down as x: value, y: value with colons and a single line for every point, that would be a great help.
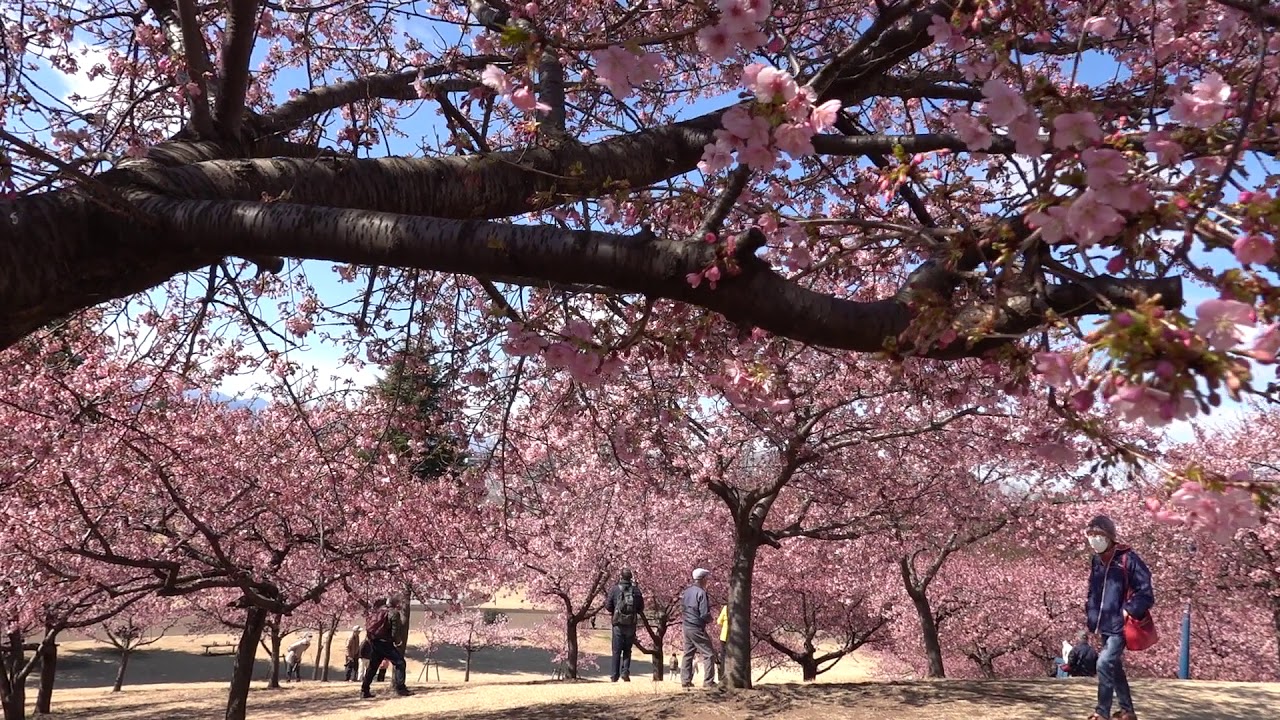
x: 1119, y: 586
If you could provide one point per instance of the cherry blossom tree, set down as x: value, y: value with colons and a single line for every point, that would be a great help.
x: 472, y: 631
x: 142, y: 624
x: 817, y: 602
x: 130, y: 490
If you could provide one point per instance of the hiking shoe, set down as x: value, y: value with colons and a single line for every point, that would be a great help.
x: 366, y: 695
x: 686, y: 685
x: 403, y: 691
x: 626, y: 678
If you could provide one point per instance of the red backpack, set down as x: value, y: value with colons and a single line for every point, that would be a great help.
x: 378, y: 625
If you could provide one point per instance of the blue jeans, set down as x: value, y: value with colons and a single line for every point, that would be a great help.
x: 1112, y: 680
x: 1058, y: 672
x: 624, y: 636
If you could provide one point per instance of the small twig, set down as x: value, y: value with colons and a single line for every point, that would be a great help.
x: 720, y: 211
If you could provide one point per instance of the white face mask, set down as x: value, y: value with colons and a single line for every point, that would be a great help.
x: 1099, y: 543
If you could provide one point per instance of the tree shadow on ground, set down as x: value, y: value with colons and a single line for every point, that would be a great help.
x: 96, y: 667
x: 529, y: 660
x: 1068, y: 700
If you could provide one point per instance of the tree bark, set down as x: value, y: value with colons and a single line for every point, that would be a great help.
x: 124, y: 665
x: 275, y: 638
x: 328, y: 649
x: 929, y: 633
x: 1275, y: 624
x: 320, y: 646
x: 466, y: 677
x: 571, y: 648
x: 736, y: 672
x: 808, y: 667
x: 13, y: 695
x: 48, y: 673
x: 407, y: 603
x: 242, y: 670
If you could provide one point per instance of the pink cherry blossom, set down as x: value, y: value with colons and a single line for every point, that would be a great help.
x: 496, y: 78
x: 524, y: 99
x: 824, y: 116
x: 1105, y: 167
x: 758, y: 156
x: 794, y: 139
x: 1206, y: 104
x: 1051, y: 222
x: 1219, y: 322
x: 717, y: 41
x: 1102, y: 26
x: 1267, y: 344
x: 1167, y: 151
x: 971, y: 130
x: 1025, y: 132
x: 1091, y: 220
x: 945, y: 34
x: 1056, y: 369
x: 715, y: 157
x: 1004, y: 104
x: 1253, y: 249
x: 1075, y: 130
x: 773, y: 85
x: 745, y: 127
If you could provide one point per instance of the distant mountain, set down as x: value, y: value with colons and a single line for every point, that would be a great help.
x: 255, y: 404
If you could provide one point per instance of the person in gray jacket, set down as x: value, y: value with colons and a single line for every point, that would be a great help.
x: 697, y: 615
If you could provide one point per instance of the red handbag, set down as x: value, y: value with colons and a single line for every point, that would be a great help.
x: 1138, y: 634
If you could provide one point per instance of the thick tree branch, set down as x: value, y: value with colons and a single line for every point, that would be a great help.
x: 388, y: 86
x: 198, y: 67
x: 759, y: 297
x: 237, y: 49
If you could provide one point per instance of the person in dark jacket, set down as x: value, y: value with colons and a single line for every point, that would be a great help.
x: 1119, y: 587
x: 696, y: 617
x: 625, y: 604
x: 1082, y: 661
x: 381, y: 631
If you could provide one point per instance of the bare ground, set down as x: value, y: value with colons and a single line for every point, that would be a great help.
x: 592, y: 700
x: 172, y: 680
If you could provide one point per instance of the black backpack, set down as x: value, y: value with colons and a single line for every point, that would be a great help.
x: 624, y: 612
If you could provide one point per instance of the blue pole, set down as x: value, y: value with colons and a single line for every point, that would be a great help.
x: 1184, y: 653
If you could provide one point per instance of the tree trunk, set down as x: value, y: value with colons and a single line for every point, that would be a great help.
x: 48, y: 673
x: 315, y: 667
x: 242, y: 671
x: 736, y: 672
x: 466, y: 677
x: 328, y: 649
x: 13, y: 696
x: 659, y: 662
x: 929, y: 632
x: 571, y: 649
x: 1275, y: 623
x: 403, y: 638
x: 274, y: 681
x: 808, y: 667
x: 124, y: 665
x: 987, y: 667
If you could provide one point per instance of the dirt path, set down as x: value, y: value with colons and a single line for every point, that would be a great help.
x: 645, y: 700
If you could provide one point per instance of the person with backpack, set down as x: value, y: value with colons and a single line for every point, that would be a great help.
x: 1119, y: 588
x: 381, y: 631
x: 625, y: 604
